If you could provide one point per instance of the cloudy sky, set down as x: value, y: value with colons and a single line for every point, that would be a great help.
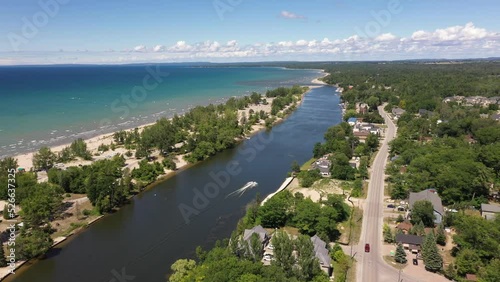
x: 133, y: 31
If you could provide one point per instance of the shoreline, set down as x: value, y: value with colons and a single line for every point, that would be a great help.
x: 183, y: 165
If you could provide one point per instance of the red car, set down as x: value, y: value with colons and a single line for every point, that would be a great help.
x: 367, y: 248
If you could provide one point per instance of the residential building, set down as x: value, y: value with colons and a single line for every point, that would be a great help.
x: 351, y: 121
x: 321, y: 253
x: 397, y: 112
x: 323, y: 165
x: 489, y: 211
x: 259, y: 230
x: 431, y: 196
x: 410, y: 242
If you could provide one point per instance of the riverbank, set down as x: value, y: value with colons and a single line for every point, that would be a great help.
x: 106, y: 139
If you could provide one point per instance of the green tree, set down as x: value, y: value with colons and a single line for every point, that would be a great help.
x: 33, y: 243
x: 255, y: 248
x: 490, y: 273
x: 41, y: 205
x: 306, y: 216
x: 423, y: 211
x: 308, y: 265
x: 432, y: 259
x: 468, y: 261
x: 44, y: 159
x: 295, y: 167
x: 387, y: 233
x: 181, y: 269
x: 3, y: 261
x: 450, y: 272
x: 400, y: 218
x: 441, y: 235
x: 418, y: 229
x: 283, y: 248
x: 400, y: 256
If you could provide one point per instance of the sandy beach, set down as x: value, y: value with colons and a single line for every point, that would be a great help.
x: 25, y: 160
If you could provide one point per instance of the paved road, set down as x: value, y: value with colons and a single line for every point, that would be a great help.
x: 371, y: 266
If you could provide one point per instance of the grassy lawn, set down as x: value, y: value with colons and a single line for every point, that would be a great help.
x: 307, y: 165
x: 351, y: 232
x: 339, y: 273
x: 390, y: 261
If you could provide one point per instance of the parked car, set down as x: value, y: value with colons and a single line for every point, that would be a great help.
x: 367, y: 248
x: 391, y: 206
x: 401, y: 208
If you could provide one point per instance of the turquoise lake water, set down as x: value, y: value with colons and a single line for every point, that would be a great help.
x: 52, y: 105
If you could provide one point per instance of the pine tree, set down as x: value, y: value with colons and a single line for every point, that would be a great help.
x: 441, y: 236
x: 450, y: 272
x: 388, y: 237
x: 3, y: 261
x: 432, y: 259
x: 400, y: 256
x: 418, y: 229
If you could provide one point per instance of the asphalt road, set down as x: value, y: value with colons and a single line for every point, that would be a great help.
x: 371, y: 267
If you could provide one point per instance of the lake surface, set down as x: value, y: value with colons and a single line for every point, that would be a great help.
x: 53, y: 105
x: 144, y: 238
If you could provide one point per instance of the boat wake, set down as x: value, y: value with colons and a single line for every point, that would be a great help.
x: 242, y: 190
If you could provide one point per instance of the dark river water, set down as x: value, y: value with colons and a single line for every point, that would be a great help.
x: 167, y: 222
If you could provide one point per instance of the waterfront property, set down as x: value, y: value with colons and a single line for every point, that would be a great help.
x: 260, y: 231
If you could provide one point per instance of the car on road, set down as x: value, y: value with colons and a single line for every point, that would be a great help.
x: 270, y: 246
x: 367, y: 248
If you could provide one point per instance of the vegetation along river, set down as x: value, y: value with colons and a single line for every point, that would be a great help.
x: 168, y: 221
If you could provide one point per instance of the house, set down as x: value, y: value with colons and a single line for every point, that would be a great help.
x: 489, y: 211
x: 321, y: 253
x: 405, y: 226
x: 351, y: 121
x: 323, y: 165
x: 483, y: 115
x: 397, y: 112
x: 431, y: 196
x: 424, y: 113
x: 260, y: 231
x: 410, y: 242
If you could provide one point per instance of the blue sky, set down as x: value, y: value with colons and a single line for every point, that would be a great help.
x: 120, y: 31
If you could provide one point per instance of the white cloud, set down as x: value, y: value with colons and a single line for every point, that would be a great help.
x: 460, y: 33
x: 290, y: 15
x: 451, y: 42
x: 385, y: 37
x: 159, y: 48
x: 140, y: 48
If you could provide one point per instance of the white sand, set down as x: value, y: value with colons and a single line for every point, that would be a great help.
x: 25, y: 160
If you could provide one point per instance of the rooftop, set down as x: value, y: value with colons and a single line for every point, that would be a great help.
x: 427, y: 195
x: 490, y: 208
x: 409, y: 239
